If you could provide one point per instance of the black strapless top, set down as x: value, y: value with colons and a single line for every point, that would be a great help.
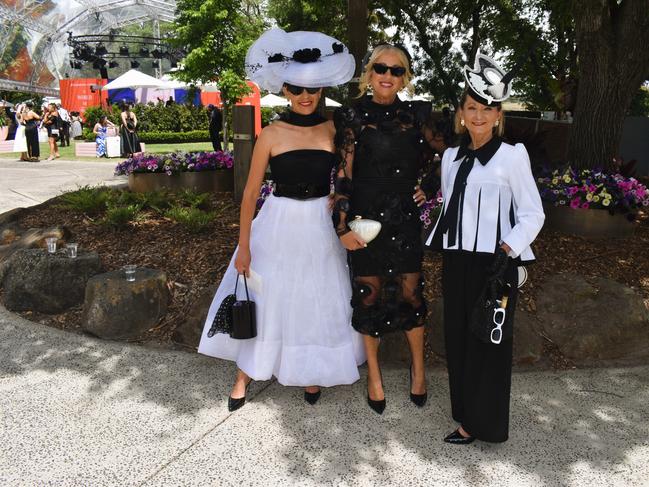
x: 302, y: 173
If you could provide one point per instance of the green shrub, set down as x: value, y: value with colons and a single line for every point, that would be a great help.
x: 121, y: 216
x: 192, y: 219
x: 174, y: 118
x: 174, y: 137
x: 88, y: 200
x: 157, y: 200
x: 193, y: 199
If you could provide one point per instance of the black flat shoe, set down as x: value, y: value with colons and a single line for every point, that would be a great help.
x: 234, y: 404
x: 312, y: 397
x: 456, y: 438
x: 418, y: 399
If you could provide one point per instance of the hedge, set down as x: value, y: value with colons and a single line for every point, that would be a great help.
x: 166, y: 137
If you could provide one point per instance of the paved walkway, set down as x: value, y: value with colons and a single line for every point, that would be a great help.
x: 31, y: 183
x: 79, y: 411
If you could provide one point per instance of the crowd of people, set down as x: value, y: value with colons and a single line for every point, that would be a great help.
x: 325, y: 294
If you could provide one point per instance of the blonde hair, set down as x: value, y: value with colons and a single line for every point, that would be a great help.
x: 364, y: 83
x: 461, y: 129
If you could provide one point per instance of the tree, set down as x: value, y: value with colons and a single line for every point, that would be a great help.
x: 216, y: 35
x: 612, y: 39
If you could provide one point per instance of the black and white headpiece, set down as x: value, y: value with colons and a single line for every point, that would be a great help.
x: 302, y: 58
x: 487, y: 82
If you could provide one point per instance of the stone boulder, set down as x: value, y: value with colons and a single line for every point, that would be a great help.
x: 117, y: 309
x: 597, y: 320
x: 528, y: 343
x: 190, y: 330
x: 35, y: 280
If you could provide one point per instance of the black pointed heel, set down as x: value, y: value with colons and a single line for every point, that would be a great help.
x: 234, y: 404
x: 377, y: 406
x: 312, y: 397
x: 418, y: 400
x: 456, y: 438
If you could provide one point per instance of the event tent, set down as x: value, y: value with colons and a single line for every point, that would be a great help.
x: 271, y: 100
x: 134, y: 79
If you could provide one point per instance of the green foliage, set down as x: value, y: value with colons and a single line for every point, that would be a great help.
x: 193, y: 199
x: 173, y: 118
x: 3, y: 119
x: 121, y: 216
x: 233, y: 87
x: 267, y: 115
x: 193, y: 219
x: 174, y: 137
x: 93, y: 114
x: 87, y: 199
x: 640, y: 103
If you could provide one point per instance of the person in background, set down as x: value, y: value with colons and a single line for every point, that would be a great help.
x: 20, y: 141
x: 65, y: 126
x: 130, y: 143
x: 216, y: 123
x: 75, y: 125
x: 170, y: 101
x: 52, y: 122
x: 31, y: 119
x: 101, y: 131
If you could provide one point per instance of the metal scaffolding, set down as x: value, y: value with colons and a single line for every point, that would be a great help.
x: 47, y: 36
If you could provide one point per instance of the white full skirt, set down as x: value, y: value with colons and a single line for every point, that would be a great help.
x: 20, y: 141
x: 304, y: 332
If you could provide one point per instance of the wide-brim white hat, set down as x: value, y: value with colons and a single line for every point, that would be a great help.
x: 302, y: 58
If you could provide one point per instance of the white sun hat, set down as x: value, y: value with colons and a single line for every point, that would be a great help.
x: 301, y: 58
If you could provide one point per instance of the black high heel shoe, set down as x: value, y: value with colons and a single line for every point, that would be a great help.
x: 456, y: 438
x: 377, y: 406
x: 234, y: 404
x: 418, y: 399
x: 312, y: 397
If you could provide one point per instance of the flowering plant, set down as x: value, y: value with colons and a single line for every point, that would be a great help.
x: 175, y: 162
x: 594, y: 189
x: 264, y: 193
x: 430, y: 210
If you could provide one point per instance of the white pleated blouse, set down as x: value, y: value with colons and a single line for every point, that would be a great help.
x: 501, y: 203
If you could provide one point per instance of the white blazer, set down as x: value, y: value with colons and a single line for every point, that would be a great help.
x: 501, y: 203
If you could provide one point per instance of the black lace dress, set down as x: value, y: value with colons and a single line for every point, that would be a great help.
x: 387, y: 151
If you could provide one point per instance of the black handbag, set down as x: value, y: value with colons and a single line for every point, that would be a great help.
x: 492, y: 320
x: 244, y: 322
x: 235, y: 318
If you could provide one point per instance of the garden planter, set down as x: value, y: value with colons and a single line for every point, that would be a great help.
x: 203, y: 182
x: 587, y: 222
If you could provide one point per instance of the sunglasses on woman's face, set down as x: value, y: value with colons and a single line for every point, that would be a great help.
x: 380, y: 68
x: 297, y: 90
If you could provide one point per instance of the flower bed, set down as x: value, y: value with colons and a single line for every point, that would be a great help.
x: 593, y: 189
x: 175, y: 162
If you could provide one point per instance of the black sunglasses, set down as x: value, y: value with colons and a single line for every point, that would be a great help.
x: 297, y: 90
x: 381, y: 68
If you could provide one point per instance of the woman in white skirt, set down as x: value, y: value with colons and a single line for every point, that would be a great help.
x: 297, y: 270
x: 20, y: 141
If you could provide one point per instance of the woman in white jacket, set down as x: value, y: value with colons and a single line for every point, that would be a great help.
x: 492, y: 212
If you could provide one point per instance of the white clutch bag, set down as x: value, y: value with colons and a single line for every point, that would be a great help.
x: 365, y: 228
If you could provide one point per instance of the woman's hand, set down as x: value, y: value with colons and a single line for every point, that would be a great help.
x: 419, y: 197
x: 352, y: 241
x: 242, y: 261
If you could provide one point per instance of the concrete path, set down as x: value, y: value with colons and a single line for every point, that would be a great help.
x: 30, y: 183
x: 76, y: 411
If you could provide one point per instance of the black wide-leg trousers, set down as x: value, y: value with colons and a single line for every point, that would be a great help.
x: 479, y: 373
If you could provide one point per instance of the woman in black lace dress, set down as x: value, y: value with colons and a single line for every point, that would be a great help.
x: 383, y: 149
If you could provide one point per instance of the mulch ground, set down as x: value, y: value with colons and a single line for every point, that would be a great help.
x: 194, y: 263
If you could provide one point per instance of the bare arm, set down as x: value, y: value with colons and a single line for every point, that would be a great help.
x: 260, y: 157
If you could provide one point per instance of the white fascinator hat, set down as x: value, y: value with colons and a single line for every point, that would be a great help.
x: 301, y: 58
x: 487, y: 82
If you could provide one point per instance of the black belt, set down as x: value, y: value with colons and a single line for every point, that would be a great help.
x: 301, y: 191
x: 390, y: 184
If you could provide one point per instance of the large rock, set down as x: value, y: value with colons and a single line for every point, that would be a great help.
x: 190, y: 330
x: 528, y: 343
x: 593, y: 321
x: 117, y: 309
x: 48, y: 283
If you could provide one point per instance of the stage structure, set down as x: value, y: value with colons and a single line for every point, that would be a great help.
x: 34, y: 38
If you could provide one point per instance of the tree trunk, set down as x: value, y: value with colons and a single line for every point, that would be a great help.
x: 357, y: 13
x: 226, y: 145
x: 612, y: 44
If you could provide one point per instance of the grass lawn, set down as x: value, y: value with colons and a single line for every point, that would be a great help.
x: 68, y: 152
